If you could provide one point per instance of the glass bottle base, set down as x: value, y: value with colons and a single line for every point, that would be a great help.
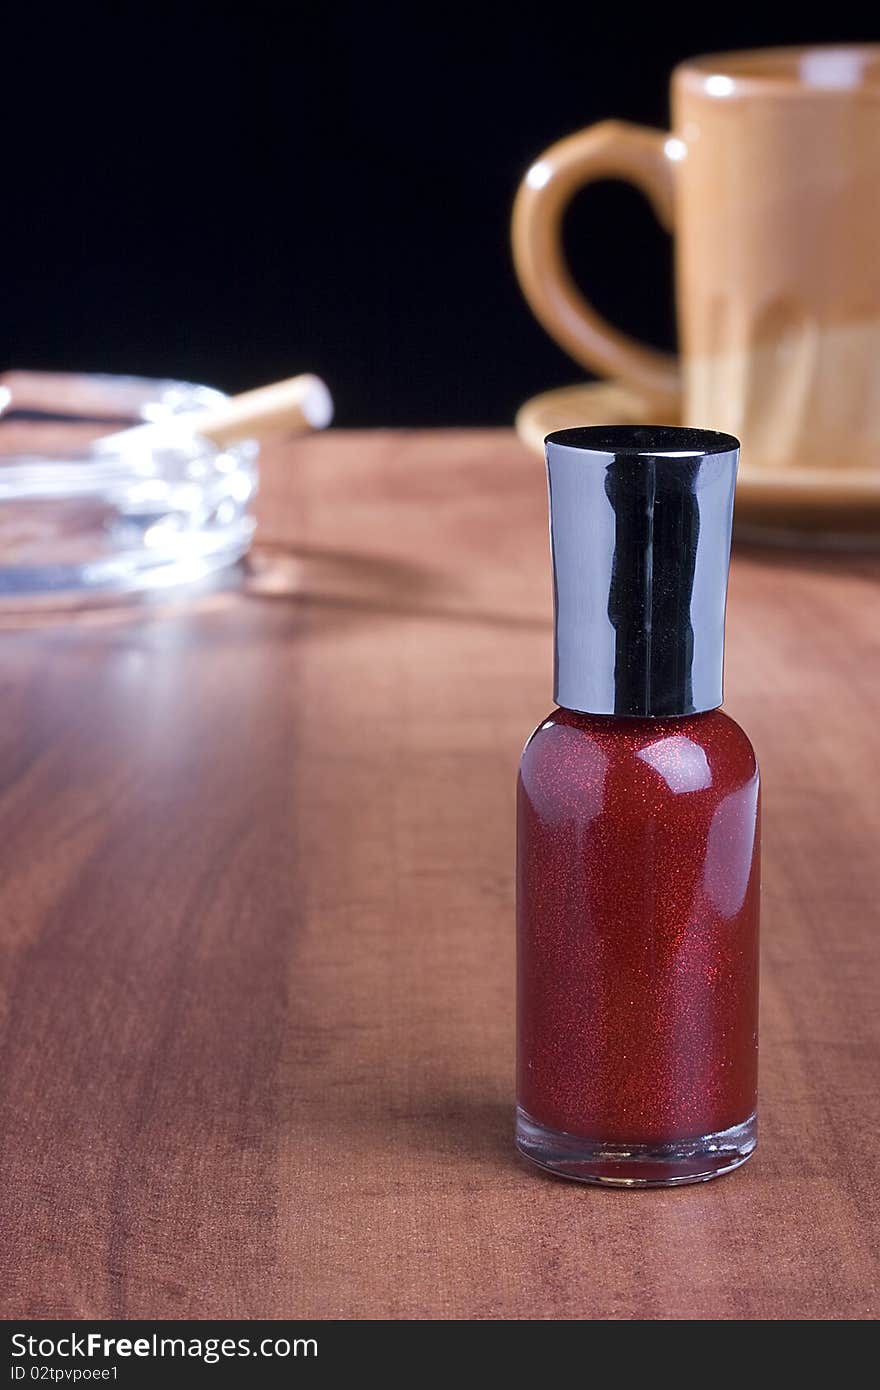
x: 636, y: 1165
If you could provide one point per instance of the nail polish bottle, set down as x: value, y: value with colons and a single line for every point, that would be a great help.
x: 638, y: 828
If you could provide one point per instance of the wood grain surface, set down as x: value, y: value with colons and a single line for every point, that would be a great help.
x: 257, y: 931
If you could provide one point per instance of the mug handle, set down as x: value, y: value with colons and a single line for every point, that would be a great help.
x: 611, y: 149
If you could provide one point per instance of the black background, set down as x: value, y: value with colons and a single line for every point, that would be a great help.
x: 233, y: 193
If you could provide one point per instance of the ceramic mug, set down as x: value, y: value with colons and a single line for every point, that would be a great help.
x: 771, y: 183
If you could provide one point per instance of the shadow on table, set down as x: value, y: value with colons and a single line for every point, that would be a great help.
x: 346, y: 580
x: 467, y: 1129
x: 343, y: 586
x: 438, y: 1135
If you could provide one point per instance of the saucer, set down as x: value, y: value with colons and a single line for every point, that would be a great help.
x: 807, y: 506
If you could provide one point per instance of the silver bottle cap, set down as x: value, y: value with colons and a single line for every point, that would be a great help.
x: 640, y: 523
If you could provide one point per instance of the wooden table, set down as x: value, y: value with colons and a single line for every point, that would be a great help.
x: 257, y: 931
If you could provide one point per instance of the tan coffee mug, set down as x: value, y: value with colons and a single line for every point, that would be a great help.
x: 771, y: 180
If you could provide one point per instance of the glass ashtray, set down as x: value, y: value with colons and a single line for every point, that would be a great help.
x: 83, y: 519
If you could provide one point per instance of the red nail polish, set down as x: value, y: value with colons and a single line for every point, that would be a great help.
x: 638, y: 828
